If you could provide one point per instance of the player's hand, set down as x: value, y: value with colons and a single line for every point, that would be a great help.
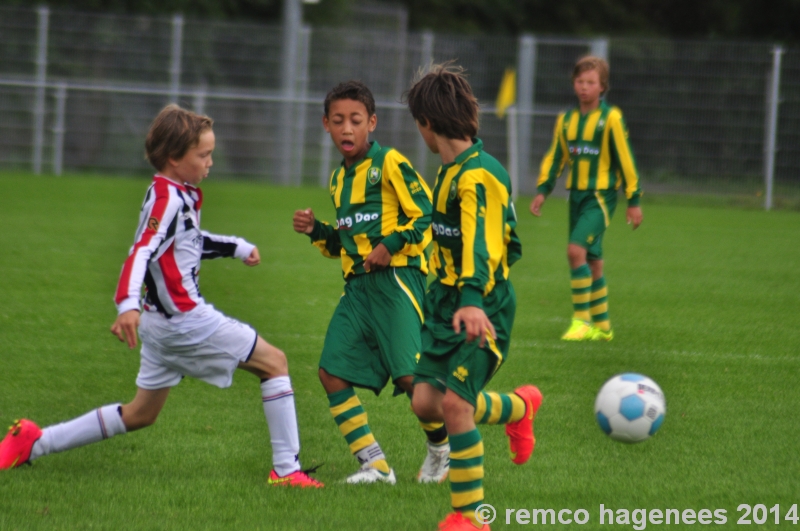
x: 125, y: 327
x: 378, y: 258
x: 536, y: 204
x: 634, y: 216
x: 254, y: 259
x: 303, y: 221
x: 476, y: 323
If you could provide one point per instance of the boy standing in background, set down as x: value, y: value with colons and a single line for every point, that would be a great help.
x: 593, y: 139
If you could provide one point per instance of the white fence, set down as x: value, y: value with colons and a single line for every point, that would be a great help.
x: 78, y: 91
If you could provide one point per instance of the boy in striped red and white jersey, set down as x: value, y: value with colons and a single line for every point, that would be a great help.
x: 181, y: 333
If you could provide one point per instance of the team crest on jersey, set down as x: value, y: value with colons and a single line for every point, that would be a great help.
x: 152, y: 224
x: 453, y: 190
x: 590, y: 239
x: 374, y: 175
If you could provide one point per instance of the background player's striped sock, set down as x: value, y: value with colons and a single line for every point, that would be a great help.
x: 496, y: 408
x: 598, y: 304
x: 466, y: 473
x: 581, y: 289
x: 352, y: 421
x: 435, y: 432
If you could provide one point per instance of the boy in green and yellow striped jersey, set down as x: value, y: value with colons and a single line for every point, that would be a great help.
x: 474, y: 246
x: 383, y: 211
x: 593, y: 139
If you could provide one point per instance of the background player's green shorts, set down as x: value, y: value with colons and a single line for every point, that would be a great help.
x: 590, y: 213
x: 448, y: 361
x: 375, y: 331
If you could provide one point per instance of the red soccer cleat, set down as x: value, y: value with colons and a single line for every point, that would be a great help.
x: 520, y: 433
x: 459, y: 522
x: 296, y: 479
x: 15, y: 450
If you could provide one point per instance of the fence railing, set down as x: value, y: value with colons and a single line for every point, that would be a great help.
x: 78, y: 91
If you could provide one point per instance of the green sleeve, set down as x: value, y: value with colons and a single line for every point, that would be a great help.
x: 414, y: 198
x: 326, y: 239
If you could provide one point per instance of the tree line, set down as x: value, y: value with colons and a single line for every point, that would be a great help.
x: 773, y: 20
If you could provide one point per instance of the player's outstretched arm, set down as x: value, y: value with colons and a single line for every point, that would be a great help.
x: 303, y: 221
x: 254, y: 259
x: 125, y: 327
x: 536, y: 204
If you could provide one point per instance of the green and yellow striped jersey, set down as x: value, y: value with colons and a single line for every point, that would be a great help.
x: 596, y: 147
x: 474, y: 238
x: 380, y: 199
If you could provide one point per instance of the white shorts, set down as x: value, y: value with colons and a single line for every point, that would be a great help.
x: 205, y: 344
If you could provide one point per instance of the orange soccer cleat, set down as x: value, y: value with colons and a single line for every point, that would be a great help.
x: 15, y: 450
x: 520, y: 433
x: 299, y: 478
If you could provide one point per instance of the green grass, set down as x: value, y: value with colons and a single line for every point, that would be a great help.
x: 703, y: 300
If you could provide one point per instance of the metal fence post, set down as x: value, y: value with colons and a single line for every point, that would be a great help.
x: 59, y: 128
x: 299, y: 137
x: 292, y: 22
x: 41, y: 85
x: 771, y: 125
x: 599, y: 48
x: 426, y: 58
x: 175, y: 56
x: 526, y: 89
x: 200, y: 99
x: 400, y: 80
x: 512, y: 134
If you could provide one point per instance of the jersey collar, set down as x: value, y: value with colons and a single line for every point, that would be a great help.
x: 170, y: 181
x: 371, y: 152
x: 477, y: 146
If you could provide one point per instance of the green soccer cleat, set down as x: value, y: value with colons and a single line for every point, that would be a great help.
x: 601, y: 335
x: 579, y: 331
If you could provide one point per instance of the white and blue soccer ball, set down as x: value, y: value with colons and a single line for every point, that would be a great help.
x: 630, y: 408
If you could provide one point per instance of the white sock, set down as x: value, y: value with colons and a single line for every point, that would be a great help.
x: 94, y: 426
x: 370, y: 454
x: 279, y: 409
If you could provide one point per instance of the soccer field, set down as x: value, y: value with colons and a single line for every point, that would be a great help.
x: 703, y: 301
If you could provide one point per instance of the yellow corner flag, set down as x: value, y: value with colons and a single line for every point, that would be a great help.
x: 507, y: 95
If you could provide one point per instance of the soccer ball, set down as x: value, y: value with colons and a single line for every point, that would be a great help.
x: 630, y: 408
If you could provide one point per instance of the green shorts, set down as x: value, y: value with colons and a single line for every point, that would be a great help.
x: 448, y: 361
x: 374, y: 333
x: 590, y: 213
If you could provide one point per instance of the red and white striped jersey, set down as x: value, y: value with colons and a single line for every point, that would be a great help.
x: 167, y: 250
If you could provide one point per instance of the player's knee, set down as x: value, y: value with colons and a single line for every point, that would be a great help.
x: 576, y: 255
x: 272, y: 364
x: 453, y: 406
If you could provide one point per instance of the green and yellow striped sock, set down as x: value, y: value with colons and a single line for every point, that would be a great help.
x: 581, y: 289
x: 435, y: 432
x: 598, y: 304
x: 352, y: 421
x: 466, y: 473
x: 496, y: 408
